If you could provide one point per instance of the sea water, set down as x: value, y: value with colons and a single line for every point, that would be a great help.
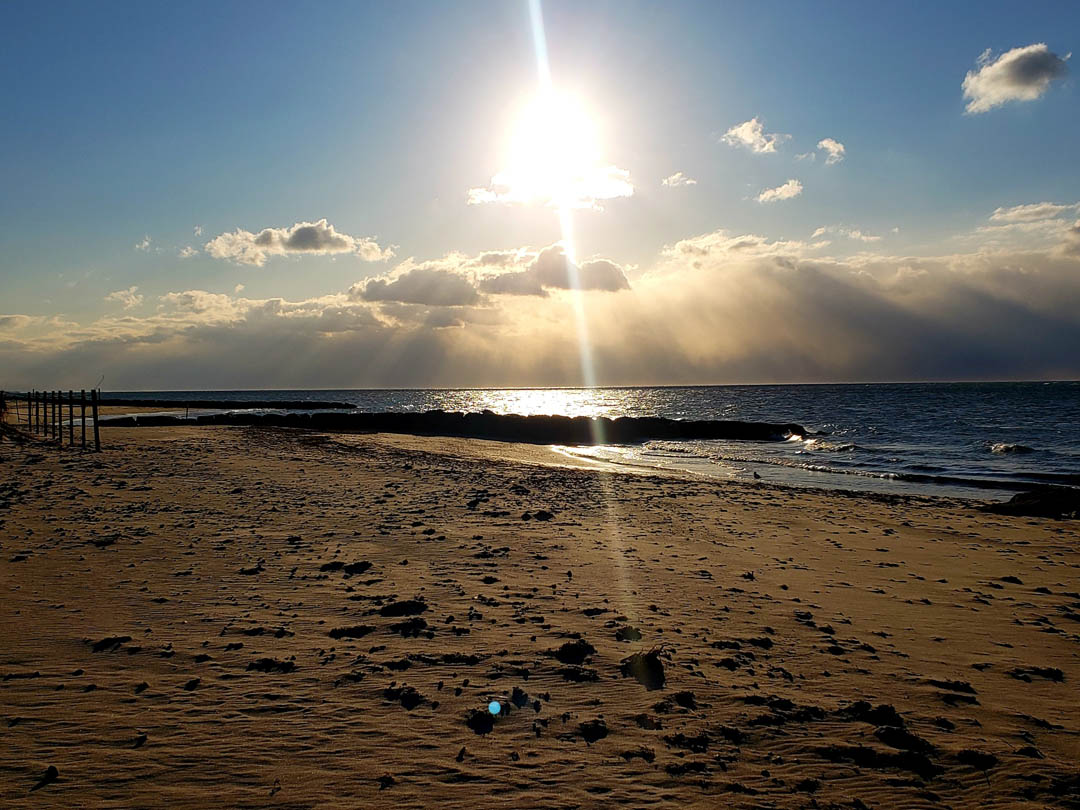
x: 982, y: 440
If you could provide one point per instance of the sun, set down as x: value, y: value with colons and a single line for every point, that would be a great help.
x: 553, y: 157
x: 554, y: 138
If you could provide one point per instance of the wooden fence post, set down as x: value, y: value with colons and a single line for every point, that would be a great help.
x: 82, y: 402
x: 94, y: 406
x: 71, y: 418
x: 58, y: 415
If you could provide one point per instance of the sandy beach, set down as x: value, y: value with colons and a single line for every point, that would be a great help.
x: 236, y: 617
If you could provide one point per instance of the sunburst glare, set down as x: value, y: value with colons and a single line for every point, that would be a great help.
x: 554, y: 157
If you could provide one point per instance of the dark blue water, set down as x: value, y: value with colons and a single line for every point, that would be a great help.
x: 972, y: 439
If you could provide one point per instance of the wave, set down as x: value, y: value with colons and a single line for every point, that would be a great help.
x: 1007, y: 448
x: 926, y: 475
x: 820, y: 445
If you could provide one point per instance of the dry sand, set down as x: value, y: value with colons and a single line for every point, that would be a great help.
x: 176, y: 611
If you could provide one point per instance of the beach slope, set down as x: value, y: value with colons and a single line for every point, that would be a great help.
x: 239, y: 617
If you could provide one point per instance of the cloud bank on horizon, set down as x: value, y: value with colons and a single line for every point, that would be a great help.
x: 740, y: 307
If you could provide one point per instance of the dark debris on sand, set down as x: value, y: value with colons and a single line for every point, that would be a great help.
x: 575, y: 652
x: 646, y: 668
x: 406, y: 607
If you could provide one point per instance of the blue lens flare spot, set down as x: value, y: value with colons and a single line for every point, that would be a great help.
x: 494, y: 707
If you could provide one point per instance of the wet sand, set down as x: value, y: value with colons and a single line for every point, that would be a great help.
x: 231, y: 617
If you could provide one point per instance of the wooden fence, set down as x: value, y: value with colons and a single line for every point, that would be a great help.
x: 41, y: 414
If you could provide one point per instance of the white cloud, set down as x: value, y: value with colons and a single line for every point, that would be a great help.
x: 239, y: 288
x: 201, y: 302
x: 128, y: 298
x: 834, y: 148
x: 752, y: 135
x: 1022, y: 74
x: 850, y: 233
x: 811, y: 156
x: 198, y: 230
x: 1031, y: 226
x: 678, y: 179
x: 317, y: 238
x: 1032, y: 212
x: 143, y: 244
x: 789, y: 190
x: 188, y: 251
x: 722, y: 243
x: 582, y: 189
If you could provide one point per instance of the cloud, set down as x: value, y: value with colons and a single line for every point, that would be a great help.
x: 1030, y: 226
x: 457, y: 280
x: 1071, y: 245
x: 552, y: 268
x: 584, y: 188
x: 304, y: 238
x: 752, y: 135
x: 13, y: 322
x: 811, y: 156
x: 188, y: 251
x: 678, y: 179
x: 715, y: 307
x: 833, y: 148
x: 200, y: 302
x: 427, y: 283
x: 197, y: 230
x: 850, y: 233
x: 143, y: 244
x: 128, y: 298
x: 1032, y: 212
x: 723, y: 244
x: 787, y: 191
x: 1022, y: 74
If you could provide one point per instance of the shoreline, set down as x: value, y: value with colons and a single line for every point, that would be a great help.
x: 243, y: 617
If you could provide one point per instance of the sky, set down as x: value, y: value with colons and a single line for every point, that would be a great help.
x: 526, y: 193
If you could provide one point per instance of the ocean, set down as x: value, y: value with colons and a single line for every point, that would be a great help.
x: 973, y: 440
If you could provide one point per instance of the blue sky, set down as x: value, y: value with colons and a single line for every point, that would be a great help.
x: 128, y: 120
